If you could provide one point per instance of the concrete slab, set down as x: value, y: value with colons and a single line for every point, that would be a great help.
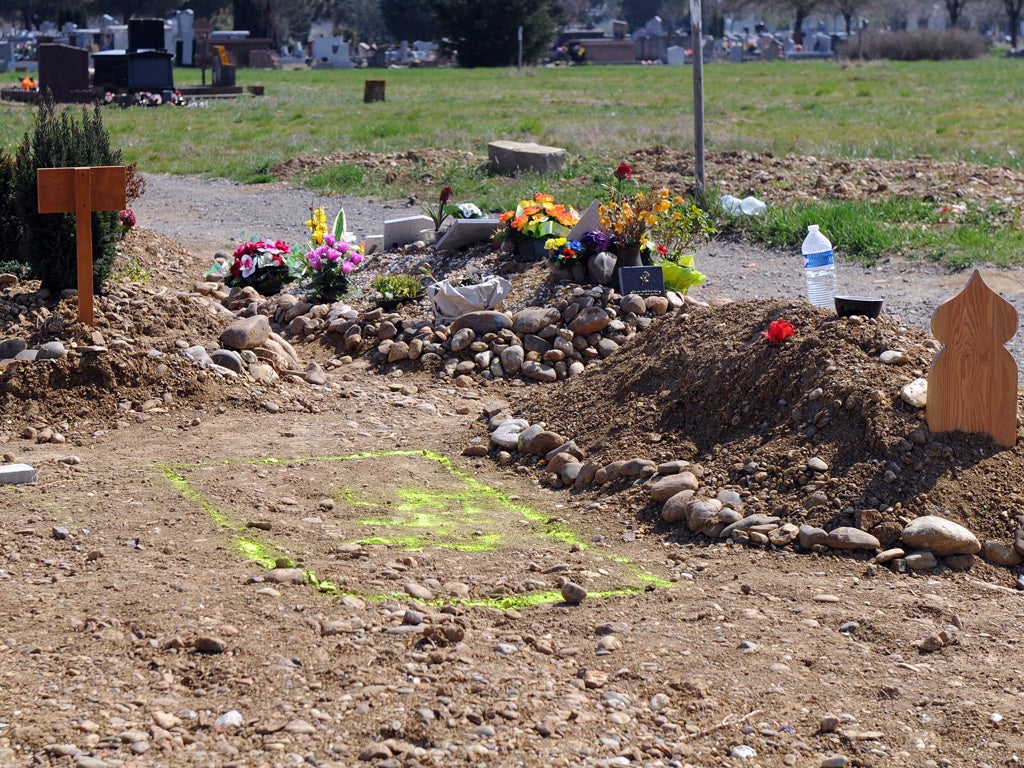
x: 512, y: 157
x: 463, y: 232
x: 17, y: 473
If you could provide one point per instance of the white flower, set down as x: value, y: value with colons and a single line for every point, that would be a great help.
x: 469, y: 211
x: 248, y: 265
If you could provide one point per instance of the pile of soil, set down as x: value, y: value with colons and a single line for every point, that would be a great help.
x: 143, y: 624
x: 707, y: 387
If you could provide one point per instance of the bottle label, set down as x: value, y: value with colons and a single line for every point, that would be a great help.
x: 818, y: 260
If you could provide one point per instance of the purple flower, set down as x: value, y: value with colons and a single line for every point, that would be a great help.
x: 596, y: 241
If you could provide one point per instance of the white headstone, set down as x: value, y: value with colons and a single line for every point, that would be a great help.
x: 675, y: 55
x: 405, y: 230
x: 590, y: 220
x: 463, y: 232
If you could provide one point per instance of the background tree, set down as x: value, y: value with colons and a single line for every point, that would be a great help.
x: 953, y: 9
x: 484, y: 34
x: 409, y: 19
x: 638, y: 12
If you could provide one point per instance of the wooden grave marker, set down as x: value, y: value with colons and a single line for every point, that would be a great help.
x: 972, y: 385
x: 81, y: 191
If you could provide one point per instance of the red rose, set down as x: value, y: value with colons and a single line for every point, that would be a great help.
x: 623, y: 172
x: 778, y: 331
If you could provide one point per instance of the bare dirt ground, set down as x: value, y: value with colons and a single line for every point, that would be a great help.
x: 414, y: 615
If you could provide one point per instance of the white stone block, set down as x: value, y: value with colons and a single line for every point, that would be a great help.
x: 17, y: 473
x: 463, y: 232
x: 511, y: 157
x: 405, y: 230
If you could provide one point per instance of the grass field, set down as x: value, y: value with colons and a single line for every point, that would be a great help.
x: 958, y: 110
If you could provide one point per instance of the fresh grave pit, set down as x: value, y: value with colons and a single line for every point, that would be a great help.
x: 338, y: 531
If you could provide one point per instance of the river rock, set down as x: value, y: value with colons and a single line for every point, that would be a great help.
x: 674, y: 510
x: 700, y: 511
x: 668, y: 486
x: 541, y: 443
x: 999, y: 553
x: 506, y: 435
x: 848, y: 537
x: 941, y: 537
x: 915, y: 393
x: 590, y: 320
x: 532, y: 319
x: 482, y: 321
x: 809, y: 536
x: 532, y: 369
x: 9, y: 348
x: 51, y: 350
x: 748, y: 522
x: 512, y: 359
x: 246, y: 332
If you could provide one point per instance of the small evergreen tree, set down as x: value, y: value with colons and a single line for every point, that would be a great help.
x: 10, y: 221
x: 47, y: 244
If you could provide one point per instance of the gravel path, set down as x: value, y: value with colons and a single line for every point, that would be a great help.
x: 210, y: 214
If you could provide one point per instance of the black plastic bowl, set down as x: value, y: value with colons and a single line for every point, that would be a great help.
x: 858, y: 305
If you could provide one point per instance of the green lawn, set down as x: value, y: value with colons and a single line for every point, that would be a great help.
x: 958, y: 110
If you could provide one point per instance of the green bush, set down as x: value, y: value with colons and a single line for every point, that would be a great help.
x: 919, y: 45
x: 47, y: 243
x: 10, y: 222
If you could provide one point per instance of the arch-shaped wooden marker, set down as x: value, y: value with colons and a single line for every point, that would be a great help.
x: 972, y: 386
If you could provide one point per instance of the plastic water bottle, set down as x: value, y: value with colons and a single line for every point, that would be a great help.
x: 752, y: 206
x: 819, y: 268
x: 731, y: 204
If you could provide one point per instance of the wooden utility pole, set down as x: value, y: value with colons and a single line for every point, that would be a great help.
x: 697, y: 37
x: 81, y: 191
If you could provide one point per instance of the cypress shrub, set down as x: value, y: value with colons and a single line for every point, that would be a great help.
x: 10, y: 221
x: 47, y: 244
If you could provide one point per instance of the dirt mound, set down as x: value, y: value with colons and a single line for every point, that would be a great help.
x: 707, y: 387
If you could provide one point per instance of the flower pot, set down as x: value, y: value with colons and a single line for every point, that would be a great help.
x: 452, y: 301
x: 530, y: 248
x: 629, y: 256
x: 269, y: 281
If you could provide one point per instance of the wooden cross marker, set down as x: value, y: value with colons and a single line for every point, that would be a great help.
x: 972, y: 386
x: 81, y: 191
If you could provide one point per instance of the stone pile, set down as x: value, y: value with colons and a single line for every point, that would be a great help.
x: 539, y: 343
x: 681, y: 487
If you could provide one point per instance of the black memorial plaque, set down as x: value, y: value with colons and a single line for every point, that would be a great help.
x: 642, y: 281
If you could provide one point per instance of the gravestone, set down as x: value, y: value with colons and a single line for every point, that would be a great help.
x: 972, y: 385
x: 146, y: 35
x: 373, y: 90
x: 64, y: 69
x: 150, y: 71
x: 590, y: 221
x: 81, y: 191
x: 261, y: 60
x: 675, y: 55
x: 643, y: 281
x: 463, y: 232
x: 18, y: 473
x: 406, y: 230
x: 512, y: 157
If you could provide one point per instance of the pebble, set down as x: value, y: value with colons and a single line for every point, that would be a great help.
x: 418, y: 591
x: 573, y: 593
x: 915, y: 393
x: 208, y: 644
x: 230, y: 719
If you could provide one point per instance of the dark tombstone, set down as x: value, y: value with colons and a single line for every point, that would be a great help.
x: 150, y: 71
x: 643, y: 281
x: 64, y: 69
x: 110, y: 70
x: 145, y: 34
x: 373, y: 90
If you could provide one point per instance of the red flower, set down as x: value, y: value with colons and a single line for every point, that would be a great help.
x: 623, y: 172
x: 662, y: 250
x: 446, y: 194
x: 778, y: 331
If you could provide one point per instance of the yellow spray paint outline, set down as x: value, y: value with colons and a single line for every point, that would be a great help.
x: 265, y: 554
